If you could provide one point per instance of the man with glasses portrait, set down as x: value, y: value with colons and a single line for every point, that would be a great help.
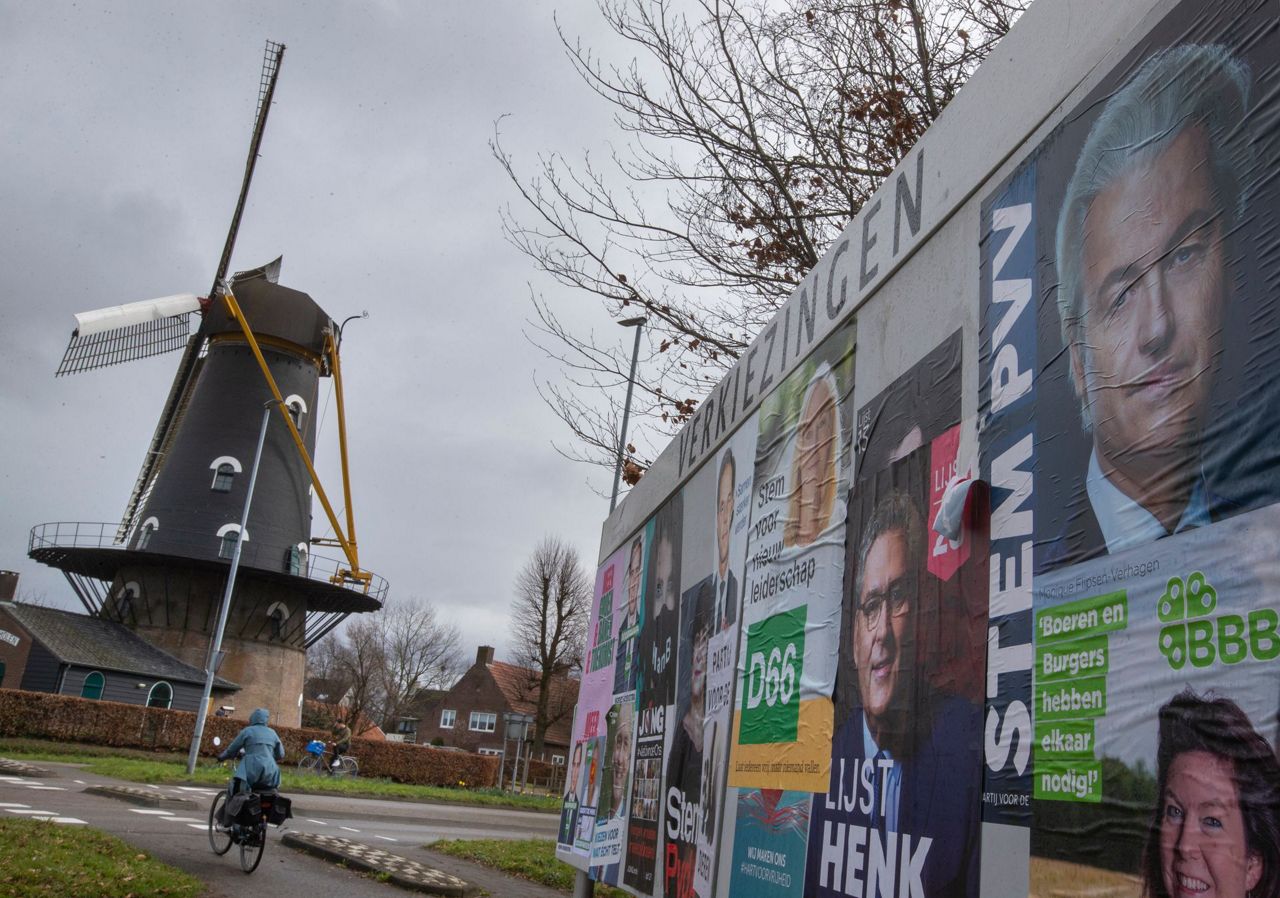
x: 903, y: 779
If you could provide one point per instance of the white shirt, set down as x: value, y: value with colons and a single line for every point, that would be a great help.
x: 1124, y: 523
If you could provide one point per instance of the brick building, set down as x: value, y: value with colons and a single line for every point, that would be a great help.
x: 470, y: 715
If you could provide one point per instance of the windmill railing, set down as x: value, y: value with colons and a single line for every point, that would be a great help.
x: 170, y: 542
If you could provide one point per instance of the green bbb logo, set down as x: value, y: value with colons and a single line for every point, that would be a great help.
x: 1190, y: 634
x: 771, y: 694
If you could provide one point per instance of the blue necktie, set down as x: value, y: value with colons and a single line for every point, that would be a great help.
x: 877, y: 812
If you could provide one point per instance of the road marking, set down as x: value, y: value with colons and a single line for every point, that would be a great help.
x: 349, y: 829
x: 151, y: 812
x: 10, y: 804
x: 198, y: 825
x: 187, y: 820
x: 385, y: 838
x: 75, y: 820
x: 49, y: 788
x: 15, y: 779
x: 200, y: 789
x: 78, y: 782
x: 309, y: 820
x: 26, y: 811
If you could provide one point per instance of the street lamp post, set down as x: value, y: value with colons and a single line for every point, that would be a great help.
x: 216, y: 645
x: 638, y: 324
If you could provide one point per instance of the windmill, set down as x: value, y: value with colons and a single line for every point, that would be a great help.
x: 161, y: 570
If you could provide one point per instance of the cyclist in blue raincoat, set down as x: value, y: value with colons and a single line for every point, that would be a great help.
x: 262, y: 749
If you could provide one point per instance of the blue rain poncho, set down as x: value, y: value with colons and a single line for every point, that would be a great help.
x: 262, y: 748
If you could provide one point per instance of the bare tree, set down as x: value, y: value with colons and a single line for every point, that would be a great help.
x: 381, y: 661
x: 757, y: 129
x: 549, y: 623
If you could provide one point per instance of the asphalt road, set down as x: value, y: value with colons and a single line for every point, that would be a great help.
x: 177, y: 834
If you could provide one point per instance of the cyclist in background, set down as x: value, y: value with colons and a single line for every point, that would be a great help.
x: 262, y: 749
x: 340, y: 745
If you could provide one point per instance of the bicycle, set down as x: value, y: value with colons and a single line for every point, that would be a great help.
x: 313, y: 761
x: 249, y: 828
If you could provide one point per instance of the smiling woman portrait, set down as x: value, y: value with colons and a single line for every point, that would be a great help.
x: 1216, y: 827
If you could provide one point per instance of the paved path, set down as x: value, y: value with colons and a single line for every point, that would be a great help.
x: 177, y: 834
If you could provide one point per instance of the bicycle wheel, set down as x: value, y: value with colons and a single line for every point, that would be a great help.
x: 219, y: 839
x: 309, y: 763
x: 349, y: 767
x: 251, y: 847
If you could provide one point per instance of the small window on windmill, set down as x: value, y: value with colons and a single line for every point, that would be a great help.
x: 222, y: 478
x: 227, y: 548
x: 297, y: 410
x: 148, y: 530
x: 124, y: 599
x: 277, y: 614
x: 295, y: 560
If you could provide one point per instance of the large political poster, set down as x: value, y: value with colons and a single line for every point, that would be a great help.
x: 1129, y: 334
x: 795, y: 565
x: 901, y: 812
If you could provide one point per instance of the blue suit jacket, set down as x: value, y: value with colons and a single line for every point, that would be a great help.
x: 941, y: 799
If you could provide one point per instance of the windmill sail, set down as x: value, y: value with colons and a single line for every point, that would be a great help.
x: 124, y: 333
x: 184, y: 378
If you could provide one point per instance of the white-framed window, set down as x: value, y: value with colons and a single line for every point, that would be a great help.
x: 296, y: 560
x: 497, y: 752
x: 557, y: 760
x: 149, y: 527
x: 297, y: 407
x: 225, y: 468
x: 125, y: 597
x: 227, y: 533
x: 277, y: 614
x: 483, y: 721
x: 160, y: 696
x: 447, y: 717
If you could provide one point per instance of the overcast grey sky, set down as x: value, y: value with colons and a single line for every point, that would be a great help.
x: 127, y: 130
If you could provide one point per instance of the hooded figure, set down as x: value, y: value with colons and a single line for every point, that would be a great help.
x: 262, y: 748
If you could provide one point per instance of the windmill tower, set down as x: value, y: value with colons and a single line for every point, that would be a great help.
x: 162, y: 570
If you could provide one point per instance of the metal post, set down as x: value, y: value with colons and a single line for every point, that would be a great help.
x: 502, y: 762
x: 215, y: 645
x: 638, y: 324
x: 515, y: 768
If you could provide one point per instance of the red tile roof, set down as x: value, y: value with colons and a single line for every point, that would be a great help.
x: 519, y: 686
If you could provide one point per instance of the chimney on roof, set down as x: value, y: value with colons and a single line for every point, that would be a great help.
x: 8, y: 585
x: 484, y: 654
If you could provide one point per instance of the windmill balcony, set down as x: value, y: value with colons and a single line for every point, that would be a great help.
x: 94, y: 550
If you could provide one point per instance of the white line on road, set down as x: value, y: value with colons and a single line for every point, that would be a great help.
x: 309, y: 820
x: 198, y: 825
x: 349, y: 829
x: 78, y: 782
x: 70, y: 820
x: 49, y: 788
x: 17, y: 779
x: 10, y: 804
x: 151, y: 812
x: 186, y: 820
x: 26, y: 811
x: 385, y: 838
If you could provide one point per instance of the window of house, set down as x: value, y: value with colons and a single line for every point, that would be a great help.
x: 447, y: 717
x: 557, y: 760
x: 483, y: 721
x: 491, y: 751
x: 92, y: 687
x: 160, y: 696
x: 148, y: 529
x: 406, y: 726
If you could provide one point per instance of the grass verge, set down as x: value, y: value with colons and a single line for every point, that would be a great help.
x: 142, y: 767
x: 39, y: 858
x: 532, y: 859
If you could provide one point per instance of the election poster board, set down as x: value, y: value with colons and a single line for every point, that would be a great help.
x: 795, y: 565
x: 901, y: 813
x: 1129, y: 342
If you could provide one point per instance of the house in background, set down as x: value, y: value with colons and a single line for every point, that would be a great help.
x: 405, y: 727
x: 470, y: 715
x: 51, y: 650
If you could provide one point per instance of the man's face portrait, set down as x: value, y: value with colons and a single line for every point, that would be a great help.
x: 724, y: 515
x: 664, y: 586
x: 575, y: 767
x: 633, y: 579
x: 621, y: 763
x: 882, y: 627
x: 1154, y: 290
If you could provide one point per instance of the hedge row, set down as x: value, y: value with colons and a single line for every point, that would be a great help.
x: 63, y: 718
